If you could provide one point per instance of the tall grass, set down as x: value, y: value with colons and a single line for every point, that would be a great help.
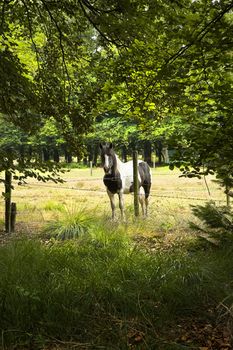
x: 73, y: 223
x: 100, y: 289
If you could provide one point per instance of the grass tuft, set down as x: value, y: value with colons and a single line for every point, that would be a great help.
x: 72, y: 223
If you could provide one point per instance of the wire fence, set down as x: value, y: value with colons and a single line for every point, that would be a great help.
x: 170, y: 193
x: 187, y: 193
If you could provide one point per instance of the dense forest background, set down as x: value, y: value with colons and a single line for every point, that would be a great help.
x: 143, y: 74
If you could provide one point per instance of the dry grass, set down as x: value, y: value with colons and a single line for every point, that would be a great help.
x: 170, y: 200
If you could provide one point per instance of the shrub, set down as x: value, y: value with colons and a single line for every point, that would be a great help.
x: 215, y: 217
x: 215, y: 221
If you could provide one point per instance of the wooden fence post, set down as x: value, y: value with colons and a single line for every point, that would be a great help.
x: 153, y: 158
x: 8, y: 180
x: 13, y: 216
x: 135, y: 183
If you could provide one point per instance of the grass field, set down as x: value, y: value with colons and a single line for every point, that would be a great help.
x: 145, y: 284
x: 169, y: 210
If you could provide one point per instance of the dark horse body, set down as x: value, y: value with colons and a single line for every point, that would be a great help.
x: 118, y: 179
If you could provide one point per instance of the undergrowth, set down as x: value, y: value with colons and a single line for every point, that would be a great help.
x: 217, y: 221
x: 102, y: 291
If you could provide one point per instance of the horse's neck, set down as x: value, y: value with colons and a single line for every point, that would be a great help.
x: 118, y: 164
x: 118, y: 161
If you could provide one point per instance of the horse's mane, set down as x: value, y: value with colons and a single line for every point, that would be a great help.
x: 116, y: 160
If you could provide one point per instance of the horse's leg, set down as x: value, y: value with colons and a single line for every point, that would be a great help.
x: 147, y: 188
x: 121, y: 205
x: 142, y: 200
x: 112, y: 202
x: 146, y: 203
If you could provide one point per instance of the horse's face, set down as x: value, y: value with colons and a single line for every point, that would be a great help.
x: 107, y: 158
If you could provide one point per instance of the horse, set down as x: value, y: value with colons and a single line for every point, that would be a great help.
x: 118, y: 179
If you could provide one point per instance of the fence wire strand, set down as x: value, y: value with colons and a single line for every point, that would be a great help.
x: 153, y: 193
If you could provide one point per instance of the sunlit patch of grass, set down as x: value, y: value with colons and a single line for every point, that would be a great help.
x: 27, y: 207
x: 52, y: 205
x: 166, y: 215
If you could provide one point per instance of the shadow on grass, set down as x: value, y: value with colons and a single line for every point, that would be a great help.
x: 103, y: 291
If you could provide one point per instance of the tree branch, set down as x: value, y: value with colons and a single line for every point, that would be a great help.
x: 112, y: 41
x: 5, y: 3
x: 31, y: 35
x: 60, y: 41
x: 99, y: 11
x: 197, y: 38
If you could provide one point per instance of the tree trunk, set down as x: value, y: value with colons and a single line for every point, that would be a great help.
x: 124, y: 153
x: 22, y: 154
x: 46, y: 155
x: 147, y: 152
x: 159, y: 152
x: 90, y: 155
x: 85, y: 161
x: 68, y: 157
x: 56, y: 156
x: 8, y: 184
x: 96, y: 153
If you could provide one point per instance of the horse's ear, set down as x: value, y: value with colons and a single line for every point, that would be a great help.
x: 110, y: 145
x: 100, y: 145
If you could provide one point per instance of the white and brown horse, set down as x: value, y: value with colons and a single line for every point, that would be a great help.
x: 118, y: 179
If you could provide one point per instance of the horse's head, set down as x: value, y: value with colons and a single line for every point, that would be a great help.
x: 107, y: 158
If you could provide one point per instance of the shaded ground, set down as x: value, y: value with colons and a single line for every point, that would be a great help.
x: 166, y: 227
x: 209, y: 331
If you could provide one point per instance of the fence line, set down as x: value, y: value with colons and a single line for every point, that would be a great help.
x: 102, y: 192
x: 80, y: 189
